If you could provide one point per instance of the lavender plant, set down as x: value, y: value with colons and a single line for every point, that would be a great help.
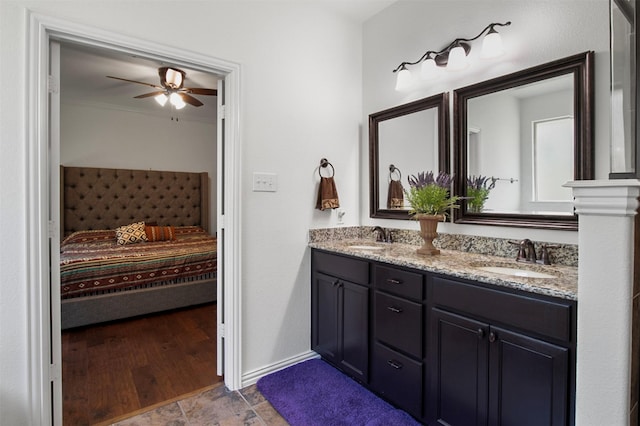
x: 478, y: 188
x: 430, y: 195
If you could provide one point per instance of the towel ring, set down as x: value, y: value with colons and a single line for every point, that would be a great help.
x: 323, y: 164
x: 393, y: 169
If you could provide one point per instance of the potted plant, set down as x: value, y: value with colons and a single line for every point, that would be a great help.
x: 430, y: 200
x: 478, y: 188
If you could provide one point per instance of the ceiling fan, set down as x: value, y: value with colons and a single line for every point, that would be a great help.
x: 172, y: 89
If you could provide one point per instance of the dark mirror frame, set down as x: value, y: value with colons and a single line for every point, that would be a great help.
x: 441, y: 102
x: 581, y: 66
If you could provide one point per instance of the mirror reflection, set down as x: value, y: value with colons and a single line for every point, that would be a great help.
x: 405, y: 141
x: 519, y: 138
x: 530, y: 127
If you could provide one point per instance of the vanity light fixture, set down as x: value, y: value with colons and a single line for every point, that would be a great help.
x: 453, y: 57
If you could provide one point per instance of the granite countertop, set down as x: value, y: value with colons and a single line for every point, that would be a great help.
x: 464, y: 265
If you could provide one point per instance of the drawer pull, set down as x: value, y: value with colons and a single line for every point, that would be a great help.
x: 393, y: 309
x: 393, y: 281
x: 394, y: 364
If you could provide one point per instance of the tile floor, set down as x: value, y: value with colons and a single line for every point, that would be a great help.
x: 216, y: 406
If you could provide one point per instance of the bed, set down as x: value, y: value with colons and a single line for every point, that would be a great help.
x: 134, y: 242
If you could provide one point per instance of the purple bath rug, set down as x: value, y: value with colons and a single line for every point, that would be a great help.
x: 313, y: 393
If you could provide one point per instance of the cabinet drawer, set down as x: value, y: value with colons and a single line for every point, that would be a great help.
x: 398, y: 323
x: 398, y: 378
x: 399, y: 282
x: 347, y: 268
x: 547, y: 318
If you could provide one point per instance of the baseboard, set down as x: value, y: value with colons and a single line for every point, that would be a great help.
x: 252, y: 377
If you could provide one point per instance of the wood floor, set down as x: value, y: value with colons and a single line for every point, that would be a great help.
x: 120, y: 367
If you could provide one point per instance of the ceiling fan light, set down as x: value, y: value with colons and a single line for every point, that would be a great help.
x: 176, y: 101
x: 161, y: 99
x: 173, y: 78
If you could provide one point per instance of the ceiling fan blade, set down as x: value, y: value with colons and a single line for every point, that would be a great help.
x: 190, y: 100
x: 137, y: 82
x: 146, y: 95
x: 201, y: 91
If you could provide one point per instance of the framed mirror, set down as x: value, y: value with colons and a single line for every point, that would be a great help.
x: 404, y: 141
x: 518, y: 138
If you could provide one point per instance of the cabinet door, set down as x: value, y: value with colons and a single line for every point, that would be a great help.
x: 459, y: 365
x: 528, y: 381
x: 324, y: 316
x: 354, y: 329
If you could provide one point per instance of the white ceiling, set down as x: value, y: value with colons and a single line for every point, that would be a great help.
x: 83, y: 80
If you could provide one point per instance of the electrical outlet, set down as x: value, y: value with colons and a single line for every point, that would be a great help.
x: 265, y: 182
x: 340, y: 213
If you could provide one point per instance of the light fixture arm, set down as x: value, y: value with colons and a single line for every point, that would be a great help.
x: 463, y: 42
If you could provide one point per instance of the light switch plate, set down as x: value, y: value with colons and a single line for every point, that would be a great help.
x: 265, y: 182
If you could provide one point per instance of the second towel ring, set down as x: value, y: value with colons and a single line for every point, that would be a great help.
x: 323, y: 164
x: 393, y: 169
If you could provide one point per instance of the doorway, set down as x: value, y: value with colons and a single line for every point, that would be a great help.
x: 157, y: 357
x: 43, y: 180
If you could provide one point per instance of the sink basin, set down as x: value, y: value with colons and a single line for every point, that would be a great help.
x: 365, y: 247
x: 515, y: 272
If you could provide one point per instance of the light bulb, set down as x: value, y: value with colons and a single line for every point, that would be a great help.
x: 176, y: 101
x: 161, y: 99
x: 492, y: 45
x: 457, y: 59
x: 429, y: 70
x: 173, y: 78
x: 403, y: 80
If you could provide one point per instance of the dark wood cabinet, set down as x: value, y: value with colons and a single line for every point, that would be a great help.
x: 448, y: 351
x: 459, y: 361
x: 529, y: 376
x: 340, y: 322
x: 483, y: 372
x: 398, y: 317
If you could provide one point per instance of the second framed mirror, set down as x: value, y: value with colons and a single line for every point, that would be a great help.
x: 518, y: 138
x: 404, y: 141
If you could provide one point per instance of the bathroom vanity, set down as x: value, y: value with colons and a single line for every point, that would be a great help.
x: 446, y: 341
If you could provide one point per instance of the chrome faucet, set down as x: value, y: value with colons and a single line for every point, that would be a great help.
x: 382, y: 235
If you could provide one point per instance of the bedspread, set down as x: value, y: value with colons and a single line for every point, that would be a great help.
x: 91, y: 260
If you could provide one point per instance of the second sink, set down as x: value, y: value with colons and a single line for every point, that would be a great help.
x: 515, y: 272
x: 365, y: 247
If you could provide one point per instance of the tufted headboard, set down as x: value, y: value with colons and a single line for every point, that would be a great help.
x: 97, y: 198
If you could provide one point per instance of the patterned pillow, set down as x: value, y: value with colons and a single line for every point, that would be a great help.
x: 160, y: 233
x: 132, y: 233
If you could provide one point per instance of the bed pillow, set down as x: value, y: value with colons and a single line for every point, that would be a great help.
x: 160, y: 233
x: 132, y: 233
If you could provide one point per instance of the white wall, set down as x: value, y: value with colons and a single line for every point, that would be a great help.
x: 541, y: 31
x: 93, y: 136
x: 301, y: 97
x: 495, y: 146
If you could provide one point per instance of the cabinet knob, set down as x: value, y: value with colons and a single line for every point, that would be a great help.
x: 336, y: 282
x: 480, y: 333
x: 393, y: 281
x: 394, y: 309
x: 492, y: 337
x: 394, y: 364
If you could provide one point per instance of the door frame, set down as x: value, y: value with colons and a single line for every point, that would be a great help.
x: 45, y: 372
